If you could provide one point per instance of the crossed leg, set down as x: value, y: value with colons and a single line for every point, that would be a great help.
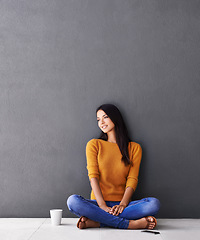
x: 143, y: 223
x: 133, y: 216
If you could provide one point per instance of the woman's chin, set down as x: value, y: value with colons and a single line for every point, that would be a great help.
x: 105, y: 131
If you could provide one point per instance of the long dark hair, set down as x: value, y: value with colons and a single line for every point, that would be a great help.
x: 121, y: 131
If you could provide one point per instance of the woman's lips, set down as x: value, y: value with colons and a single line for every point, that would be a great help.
x: 103, y: 127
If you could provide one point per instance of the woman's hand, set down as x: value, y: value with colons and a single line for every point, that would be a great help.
x: 106, y: 208
x: 117, y: 209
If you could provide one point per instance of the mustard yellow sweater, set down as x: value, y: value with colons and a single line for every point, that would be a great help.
x: 104, y: 162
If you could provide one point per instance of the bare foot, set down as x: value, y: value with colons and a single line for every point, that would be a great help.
x: 143, y: 223
x: 84, y: 222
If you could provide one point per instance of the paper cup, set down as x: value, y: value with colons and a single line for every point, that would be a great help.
x: 56, y: 216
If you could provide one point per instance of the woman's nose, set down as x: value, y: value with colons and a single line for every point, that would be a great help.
x: 101, y: 122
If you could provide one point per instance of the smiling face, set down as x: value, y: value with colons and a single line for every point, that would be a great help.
x: 104, y: 122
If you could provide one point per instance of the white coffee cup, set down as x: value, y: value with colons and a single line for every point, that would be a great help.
x: 56, y: 216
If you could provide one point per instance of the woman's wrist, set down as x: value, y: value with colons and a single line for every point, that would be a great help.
x: 102, y: 205
x: 127, y: 196
x: 123, y: 204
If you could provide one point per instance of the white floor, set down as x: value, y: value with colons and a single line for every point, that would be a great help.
x: 41, y: 229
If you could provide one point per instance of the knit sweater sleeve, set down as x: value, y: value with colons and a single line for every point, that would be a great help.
x: 132, y: 179
x: 92, y: 161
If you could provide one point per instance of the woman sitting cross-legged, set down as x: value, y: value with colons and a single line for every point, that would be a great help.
x: 113, y: 163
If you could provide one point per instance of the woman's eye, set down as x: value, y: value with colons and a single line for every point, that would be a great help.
x: 103, y: 118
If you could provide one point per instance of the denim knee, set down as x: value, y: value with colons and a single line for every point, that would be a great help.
x: 72, y: 201
x: 154, y: 205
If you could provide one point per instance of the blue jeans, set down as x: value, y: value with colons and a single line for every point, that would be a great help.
x: 135, y: 210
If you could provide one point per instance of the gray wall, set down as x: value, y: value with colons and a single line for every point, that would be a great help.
x: 59, y: 60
